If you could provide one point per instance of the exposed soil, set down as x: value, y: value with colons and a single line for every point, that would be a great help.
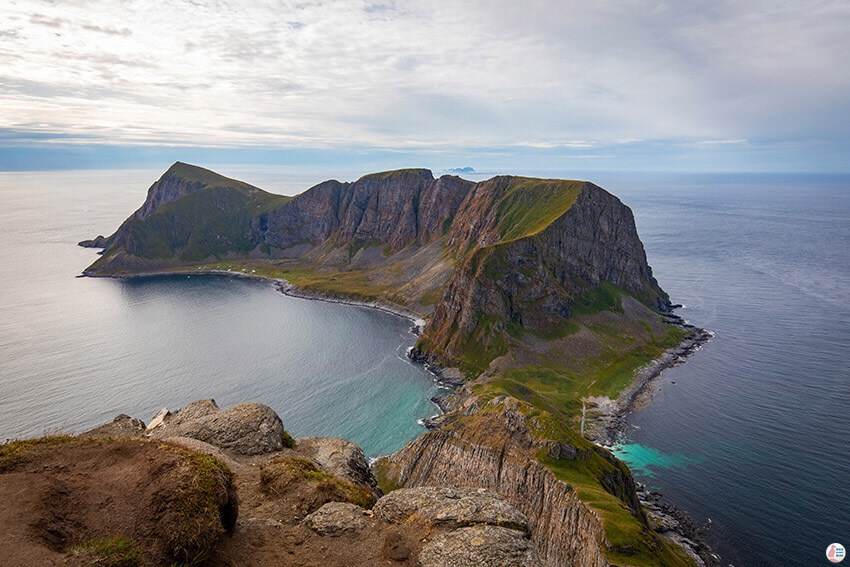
x: 271, y: 531
x: 59, y: 495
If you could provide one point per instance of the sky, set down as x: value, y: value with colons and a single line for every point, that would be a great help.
x: 680, y: 85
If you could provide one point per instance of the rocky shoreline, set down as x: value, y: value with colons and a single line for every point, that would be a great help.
x: 611, y: 414
x: 670, y: 522
x: 611, y: 419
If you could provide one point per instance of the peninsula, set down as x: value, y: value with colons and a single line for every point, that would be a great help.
x: 537, y: 304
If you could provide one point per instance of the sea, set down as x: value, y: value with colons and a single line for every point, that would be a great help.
x: 750, y: 437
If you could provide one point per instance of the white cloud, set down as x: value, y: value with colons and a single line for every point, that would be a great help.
x: 425, y: 74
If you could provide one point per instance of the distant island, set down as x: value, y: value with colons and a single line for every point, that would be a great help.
x: 536, y: 304
x: 460, y: 170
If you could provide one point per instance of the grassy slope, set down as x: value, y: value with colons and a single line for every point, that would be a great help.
x: 550, y: 389
x: 181, y: 231
x: 530, y: 205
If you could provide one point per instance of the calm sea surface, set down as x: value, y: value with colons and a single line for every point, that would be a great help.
x: 76, y: 352
x: 754, y: 434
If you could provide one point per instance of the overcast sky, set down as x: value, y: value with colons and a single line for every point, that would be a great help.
x: 750, y: 85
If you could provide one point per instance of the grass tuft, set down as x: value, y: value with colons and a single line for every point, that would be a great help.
x: 281, y: 474
x: 116, y: 551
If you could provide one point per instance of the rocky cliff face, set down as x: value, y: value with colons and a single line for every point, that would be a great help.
x: 406, y: 207
x: 492, y: 447
x: 532, y: 281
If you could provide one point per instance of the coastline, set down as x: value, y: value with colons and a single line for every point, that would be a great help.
x: 611, y: 422
x: 671, y: 523
x: 610, y: 415
x: 284, y: 286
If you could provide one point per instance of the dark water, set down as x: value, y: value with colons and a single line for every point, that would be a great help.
x: 755, y: 433
x: 77, y: 351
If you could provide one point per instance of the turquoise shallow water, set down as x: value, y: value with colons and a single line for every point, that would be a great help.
x: 78, y: 351
x: 645, y: 461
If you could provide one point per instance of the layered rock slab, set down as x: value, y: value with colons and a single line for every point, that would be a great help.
x: 245, y: 429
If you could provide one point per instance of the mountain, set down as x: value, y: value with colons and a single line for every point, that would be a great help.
x: 189, y: 214
x: 538, y: 300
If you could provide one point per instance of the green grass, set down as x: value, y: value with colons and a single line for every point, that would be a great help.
x: 558, y: 328
x: 349, y: 284
x: 386, y: 483
x: 195, y: 174
x: 603, y: 297
x: 278, y: 475
x: 197, y: 508
x: 632, y: 542
x: 111, y: 552
x: 421, y: 173
x: 13, y: 452
x: 531, y: 205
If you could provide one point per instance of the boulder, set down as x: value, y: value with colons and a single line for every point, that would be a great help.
x: 336, y: 518
x: 195, y: 410
x: 122, y: 426
x: 247, y: 429
x: 341, y: 458
x: 480, y: 546
x: 450, y: 507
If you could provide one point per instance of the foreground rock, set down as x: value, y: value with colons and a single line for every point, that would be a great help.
x: 171, y: 491
x: 480, y: 546
x: 449, y: 507
x: 336, y: 518
x: 122, y: 426
x: 341, y: 458
x: 245, y: 429
x: 60, y: 492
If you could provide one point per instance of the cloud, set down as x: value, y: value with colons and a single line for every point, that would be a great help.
x: 107, y: 30
x: 544, y: 76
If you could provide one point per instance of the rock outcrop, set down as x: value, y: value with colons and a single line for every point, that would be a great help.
x: 341, y: 458
x: 336, y: 518
x: 247, y: 429
x: 302, y: 503
x: 480, y: 546
x: 450, y: 507
x: 494, y: 449
x: 122, y: 426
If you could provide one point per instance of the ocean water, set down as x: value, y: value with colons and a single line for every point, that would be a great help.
x: 753, y: 432
x: 75, y: 352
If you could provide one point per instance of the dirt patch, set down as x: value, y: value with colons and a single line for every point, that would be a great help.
x: 60, y: 495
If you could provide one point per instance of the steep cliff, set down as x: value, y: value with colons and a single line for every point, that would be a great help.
x: 527, y: 268
x: 536, y: 293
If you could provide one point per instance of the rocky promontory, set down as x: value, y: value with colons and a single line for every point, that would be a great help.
x: 207, y: 486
